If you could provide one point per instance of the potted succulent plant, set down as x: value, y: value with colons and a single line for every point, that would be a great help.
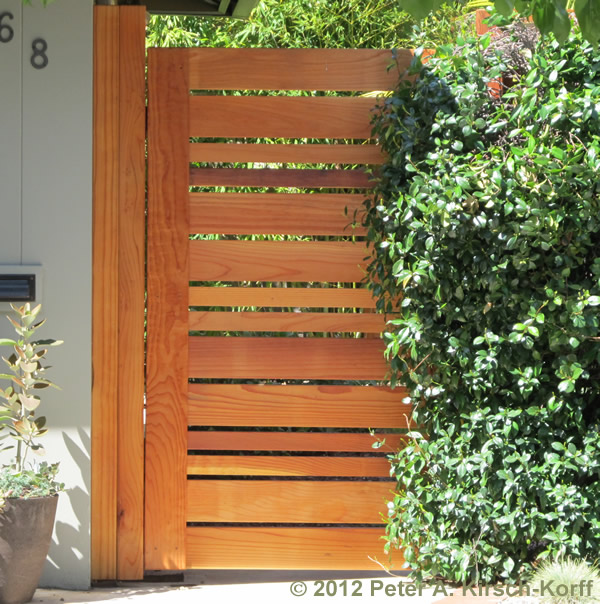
x: 28, y: 489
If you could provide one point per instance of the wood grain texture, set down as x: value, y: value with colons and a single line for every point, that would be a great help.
x: 267, y: 177
x: 291, y: 441
x: 286, y: 153
x: 132, y: 292
x: 288, y: 322
x: 296, y: 69
x: 314, y: 297
x: 268, y: 465
x: 286, y: 358
x: 272, y: 213
x: 281, y: 117
x: 293, y: 261
x: 173, y: 404
x: 346, y: 502
x: 288, y: 548
x: 166, y: 417
x: 105, y: 295
x: 297, y: 406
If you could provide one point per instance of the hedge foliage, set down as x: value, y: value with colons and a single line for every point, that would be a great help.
x: 486, y: 230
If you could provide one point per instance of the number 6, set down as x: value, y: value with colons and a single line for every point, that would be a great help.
x: 7, y: 33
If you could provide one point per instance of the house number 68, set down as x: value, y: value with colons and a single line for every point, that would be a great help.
x: 7, y: 33
x: 39, y: 58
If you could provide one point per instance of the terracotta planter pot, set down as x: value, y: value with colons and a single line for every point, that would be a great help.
x: 25, y: 532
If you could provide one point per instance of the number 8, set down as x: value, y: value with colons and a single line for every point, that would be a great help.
x: 7, y: 33
x: 39, y: 58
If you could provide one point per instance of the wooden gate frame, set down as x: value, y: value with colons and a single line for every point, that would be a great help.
x: 117, y: 539
x: 118, y: 356
x: 119, y: 174
x: 173, y: 355
x: 119, y: 297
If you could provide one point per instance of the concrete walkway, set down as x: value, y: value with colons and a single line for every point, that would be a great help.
x: 282, y: 588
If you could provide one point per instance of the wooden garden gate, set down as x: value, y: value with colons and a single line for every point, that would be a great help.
x: 263, y: 353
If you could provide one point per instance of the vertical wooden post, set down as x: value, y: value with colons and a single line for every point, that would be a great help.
x: 118, y: 293
x: 168, y: 290
x: 132, y: 286
x: 105, y: 294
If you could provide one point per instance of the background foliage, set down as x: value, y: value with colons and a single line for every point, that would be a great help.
x: 550, y: 16
x: 310, y: 24
x: 486, y: 225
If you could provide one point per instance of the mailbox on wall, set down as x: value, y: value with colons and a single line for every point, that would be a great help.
x: 17, y: 288
x: 19, y: 284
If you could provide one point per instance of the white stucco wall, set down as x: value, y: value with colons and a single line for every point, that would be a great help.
x: 46, y: 218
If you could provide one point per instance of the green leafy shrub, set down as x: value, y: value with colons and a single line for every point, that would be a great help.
x: 486, y: 225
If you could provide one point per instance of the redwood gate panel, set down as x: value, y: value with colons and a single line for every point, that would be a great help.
x: 264, y: 360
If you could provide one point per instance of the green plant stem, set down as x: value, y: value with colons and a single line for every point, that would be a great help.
x: 18, y: 464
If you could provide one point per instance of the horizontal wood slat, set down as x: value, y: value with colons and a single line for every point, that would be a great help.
x: 286, y: 153
x: 314, y: 297
x: 287, y: 548
x: 295, y: 69
x: 267, y: 177
x: 291, y: 441
x: 281, y: 117
x: 295, y: 261
x: 298, y: 406
x: 287, y: 358
x: 287, y: 322
x: 268, y: 465
x: 347, y: 502
x: 272, y: 213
